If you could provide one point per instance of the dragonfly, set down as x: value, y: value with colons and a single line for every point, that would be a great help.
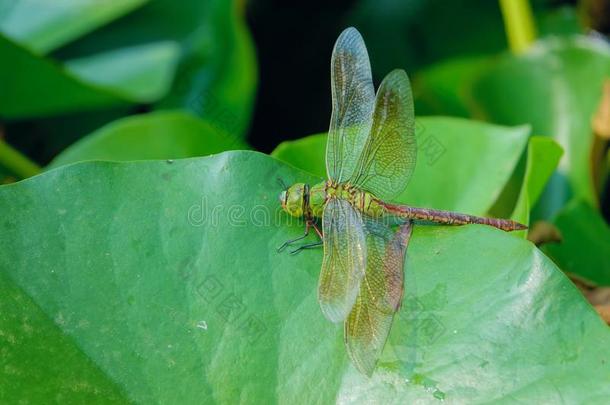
x: 370, y: 157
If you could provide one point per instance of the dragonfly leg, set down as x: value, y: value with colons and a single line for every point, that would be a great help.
x: 307, y: 246
x: 290, y: 242
x: 315, y: 227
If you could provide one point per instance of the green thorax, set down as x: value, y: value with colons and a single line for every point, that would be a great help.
x: 300, y: 199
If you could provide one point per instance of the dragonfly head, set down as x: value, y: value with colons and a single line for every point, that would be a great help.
x: 294, y: 198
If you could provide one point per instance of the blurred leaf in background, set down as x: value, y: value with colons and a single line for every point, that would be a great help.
x: 555, y: 87
x: 43, y: 26
x: 34, y: 86
x: 74, y: 69
x: 584, y: 249
x: 217, y: 74
x: 156, y: 135
x: 543, y: 155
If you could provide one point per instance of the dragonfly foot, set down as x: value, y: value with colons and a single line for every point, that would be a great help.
x: 306, y: 246
x: 290, y: 242
x: 309, y: 224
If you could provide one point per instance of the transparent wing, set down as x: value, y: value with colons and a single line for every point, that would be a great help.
x: 381, y: 290
x: 353, y: 98
x: 344, y: 259
x: 388, y: 158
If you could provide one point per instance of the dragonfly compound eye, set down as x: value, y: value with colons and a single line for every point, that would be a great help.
x: 293, y: 203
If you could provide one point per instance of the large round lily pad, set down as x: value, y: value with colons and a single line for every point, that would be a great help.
x: 160, y: 282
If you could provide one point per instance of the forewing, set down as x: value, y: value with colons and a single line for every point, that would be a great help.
x: 381, y: 290
x: 388, y: 158
x: 344, y: 259
x: 353, y: 98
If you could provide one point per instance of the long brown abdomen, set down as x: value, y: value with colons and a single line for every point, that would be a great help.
x: 449, y: 217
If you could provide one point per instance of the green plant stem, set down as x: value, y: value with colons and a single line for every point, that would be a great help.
x: 519, y: 24
x: 14, y: 161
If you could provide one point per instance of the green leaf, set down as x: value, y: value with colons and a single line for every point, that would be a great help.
x: 165, y: 276
x: 217, y: 76
x: 461, y: 165
x: 34, y: 349
x: 306, y: 153
x: 543, y: 155
x: 413, y: 34
x: 158, y: 135
x: 560, y: 20
x: 15, y: 162
x: 142, y: 73
x: 6, y: 175
x: 43, y: 26
x: 555, y: 87
x: 444, y: 88
x: 585, y: 243
x: 42, y: 87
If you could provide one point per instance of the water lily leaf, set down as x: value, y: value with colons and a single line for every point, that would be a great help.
x: 40, y: 360
x: 217, y: 75
x: 585, y: 243
x: 133, y: 60
x: 158, y: 135
x: 444, y: 88
x: 543, y: 155
x: 43, y: 26
x: 44, y: 88
x: 165, y: 276
x: 142, y: 73
x: 461, y: 165
x: 306, y: 153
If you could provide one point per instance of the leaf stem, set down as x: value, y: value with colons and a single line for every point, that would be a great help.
x: 519, y: 24
x: 17, y: 163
